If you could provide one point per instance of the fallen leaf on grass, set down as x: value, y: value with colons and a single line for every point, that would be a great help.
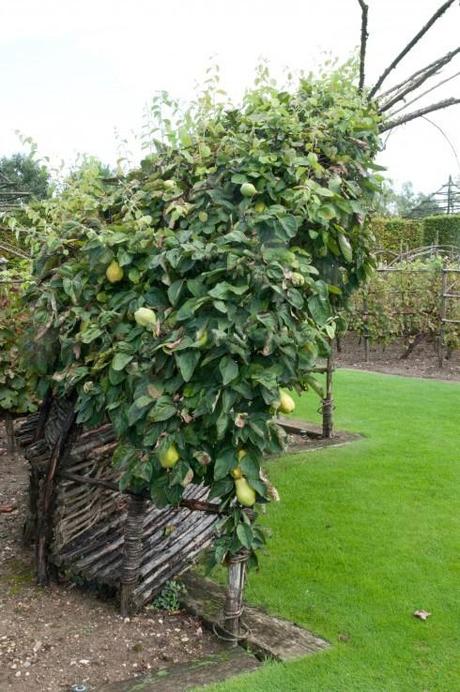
x: 422, y: 614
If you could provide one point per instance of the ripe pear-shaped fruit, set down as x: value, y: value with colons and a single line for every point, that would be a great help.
x: 248, y: 190
x: 260, y: 207
x: 241, y: 454
x: 145, y: 317
x: 114, y: 272
x: 287, y: 404
x: 169, y: 457
x: 245, y: 494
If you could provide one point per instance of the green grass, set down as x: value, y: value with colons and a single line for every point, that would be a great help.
x: 365, y: 535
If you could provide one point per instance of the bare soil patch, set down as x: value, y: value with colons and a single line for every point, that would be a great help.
x: 422, y: 362
x: 55, y: 637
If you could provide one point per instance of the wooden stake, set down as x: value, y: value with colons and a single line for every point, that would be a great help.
x: 366, y: 330
x: 46, y: 500
x: 442, y: 316
x: 328, y: 401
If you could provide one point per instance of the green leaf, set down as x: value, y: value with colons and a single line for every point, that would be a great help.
x: 121, y: 360
x: 221, y: 487
x: 319, y: 309
x: 90, y: 334
x: 134, y: 275
x: 225, y: 461
x: 249, y: 467
x: 143, y: 401
x: 163, y: 410
x: 244, y: 533
x: 258, y: 485
x: 289, y: 224
x: 174, y: 291
x: 223, y: 289
x: 188, y: 309
x: 326, y: 212
x: 228, y: 369
x: 187, y: 362
x: 135, y: 413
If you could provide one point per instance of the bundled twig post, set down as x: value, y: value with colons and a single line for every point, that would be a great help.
x: 439, y: 12
x: 363, y: 45
x: 414, y: 82
x: 389, y: 125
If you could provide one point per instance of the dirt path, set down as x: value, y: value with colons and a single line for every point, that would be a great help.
x: 53, y: 638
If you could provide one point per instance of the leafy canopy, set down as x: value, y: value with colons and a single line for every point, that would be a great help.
x: 244, y: 232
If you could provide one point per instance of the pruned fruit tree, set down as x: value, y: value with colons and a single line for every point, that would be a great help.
x: 184, y: 300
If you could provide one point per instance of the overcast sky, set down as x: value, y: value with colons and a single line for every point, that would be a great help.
x: 76, y: 71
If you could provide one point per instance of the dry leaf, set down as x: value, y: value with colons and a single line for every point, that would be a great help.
x: 422, y: 614
x: 240, y: 420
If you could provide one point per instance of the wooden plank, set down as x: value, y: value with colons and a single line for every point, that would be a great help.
x: 269, y: 636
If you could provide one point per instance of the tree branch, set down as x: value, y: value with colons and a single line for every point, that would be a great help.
x: 191, y: 504
x: 414, y: 83
x: 445, y: 6
x: 389, y: 125
x: 424, y: 93
x: 397, y: 87
x: 363, y: 45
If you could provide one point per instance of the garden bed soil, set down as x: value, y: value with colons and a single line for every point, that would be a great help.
x: 422, y: 362
x: 54, y: 637
x: 306, y: 437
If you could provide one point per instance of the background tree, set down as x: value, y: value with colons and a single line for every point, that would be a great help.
x: 26, y: 174
x: 402, y: 202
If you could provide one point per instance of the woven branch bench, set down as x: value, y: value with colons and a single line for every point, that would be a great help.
x: 84, y: 526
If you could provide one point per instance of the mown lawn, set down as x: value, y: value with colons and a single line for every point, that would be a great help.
x: 365, y: 535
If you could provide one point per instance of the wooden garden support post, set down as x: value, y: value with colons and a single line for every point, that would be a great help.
x: 132, y: 552
x: 44, y: 412
x: 46, y: 499
x: 233, y: 606
x: 366, y: 329
x: 442, y: 315
x: 328, y: 401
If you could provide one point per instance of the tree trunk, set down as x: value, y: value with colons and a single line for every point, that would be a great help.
x: 233, y: 606
x: 132, y: 552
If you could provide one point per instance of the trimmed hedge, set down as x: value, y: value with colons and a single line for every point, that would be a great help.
x: 443, y: 229
x: 396, y: 234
